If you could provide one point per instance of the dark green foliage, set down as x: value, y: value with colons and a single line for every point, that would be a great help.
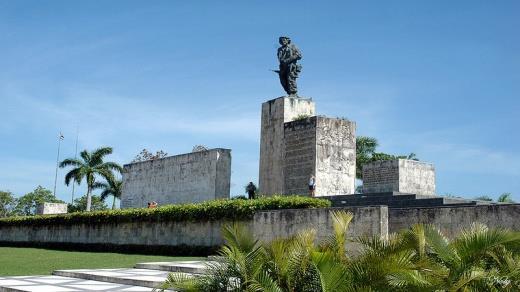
x: 484, y: 198
x: 417, y: 259
x: 207, y: 211
x: 505, y: 198
x: 366, y: 152
x: 80, y: 204
x: 26, y: 205
x: 7, y: 203
x: 113, y: 187
x: 90, y: 167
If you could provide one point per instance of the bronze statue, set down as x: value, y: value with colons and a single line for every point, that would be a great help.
x: 288, y: 55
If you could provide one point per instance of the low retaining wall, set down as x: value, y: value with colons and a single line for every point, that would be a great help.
x: 451, y: 220
x: 179, y: 237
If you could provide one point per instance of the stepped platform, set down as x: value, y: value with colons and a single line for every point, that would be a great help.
x: 133, y: 277
x: 191, y: 267
x: 62, y: 284
x: 398, y: 200
x: 143, y: 278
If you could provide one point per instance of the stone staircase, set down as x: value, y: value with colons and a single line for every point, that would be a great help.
x: 399, y: 200
x: 144, y: 277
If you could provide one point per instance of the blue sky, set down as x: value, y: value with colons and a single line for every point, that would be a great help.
x: 438, y: 78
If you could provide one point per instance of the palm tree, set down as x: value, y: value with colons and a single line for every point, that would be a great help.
x: 294, y: 264
x: 505, y: 198
x: 113, y: 187
x: 418, y: 259
x: 89, y: 167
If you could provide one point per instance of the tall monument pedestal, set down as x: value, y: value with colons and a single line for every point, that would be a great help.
x: 296, y: 144
x: 275, y: 113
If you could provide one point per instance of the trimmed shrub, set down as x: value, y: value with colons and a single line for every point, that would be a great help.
x: 207, y: 211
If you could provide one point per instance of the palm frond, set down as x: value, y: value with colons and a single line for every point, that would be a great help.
x: 75, y: 174
x: 112, y: 166
x: 236, y: 235
x: 180, y: 282
x: 97, y: 155
x: 85, y: 155
x: 71, y: 162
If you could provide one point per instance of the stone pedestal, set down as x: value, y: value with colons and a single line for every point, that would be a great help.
x: 186, y: 178
x: 51, y: 208
x: 400, y: 175
x: 275, y: 113
x: 323, y: 147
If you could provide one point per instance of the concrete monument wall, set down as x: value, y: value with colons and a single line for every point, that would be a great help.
x: 186, y: 178
x: 370, y: 221
x: 51, y: 208
x: 275, y: 113
x: 400, y: 175
x: 336, y: 157
x: 324, y: 147
x: 299, y: 159
x: 451, y: 220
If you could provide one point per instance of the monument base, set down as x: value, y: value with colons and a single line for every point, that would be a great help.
x: 51, y: 208
x: 275, y: 113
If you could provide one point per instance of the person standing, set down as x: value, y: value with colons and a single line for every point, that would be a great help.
x: 312, y: 185
x: 251, y: 191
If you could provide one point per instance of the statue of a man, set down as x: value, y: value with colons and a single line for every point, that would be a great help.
x: 288, y: 55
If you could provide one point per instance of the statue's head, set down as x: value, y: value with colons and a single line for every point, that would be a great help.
x: 283, y: 40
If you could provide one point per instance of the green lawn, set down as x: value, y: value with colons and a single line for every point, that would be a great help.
x: 34, y: 261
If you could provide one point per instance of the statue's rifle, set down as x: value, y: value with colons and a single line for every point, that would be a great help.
x: 275, y: 71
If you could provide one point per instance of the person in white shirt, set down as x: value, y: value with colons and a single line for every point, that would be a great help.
x: 312, y: 185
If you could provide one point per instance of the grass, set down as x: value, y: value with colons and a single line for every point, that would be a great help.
x: 33, y: 261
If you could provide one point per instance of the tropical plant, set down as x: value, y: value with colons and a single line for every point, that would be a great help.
x: 505, y: 198
x: 294, y: 264
x: 113, y: 187
x: 366, y: 152
x: 7, y: 203
x: 26, y: 204
x: 418, y: 259
x: 224, y: 209
x: 89, y: 167
x: 80, y: 204
x: 484, y: 198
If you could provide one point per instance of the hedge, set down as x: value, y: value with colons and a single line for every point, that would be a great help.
x: 227, y: 209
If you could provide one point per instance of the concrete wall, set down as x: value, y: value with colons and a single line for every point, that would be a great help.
x: 300, y: 155
x: 274, y: 114
x: 186, y: 178
x: 324, y: 147
x: 367, y: 221
x: 51, y: 208
x: 265, y: 225
x: 451, y: 220
x: 336, y: 157
x: 400, y: 175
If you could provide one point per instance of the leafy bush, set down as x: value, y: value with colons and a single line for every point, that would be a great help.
x: 206, y: 211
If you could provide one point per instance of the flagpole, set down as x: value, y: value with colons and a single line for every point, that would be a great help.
x: 57, y: 163
x: 75, y: 157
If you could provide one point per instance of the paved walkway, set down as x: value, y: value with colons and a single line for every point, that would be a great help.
x: 144, y: 277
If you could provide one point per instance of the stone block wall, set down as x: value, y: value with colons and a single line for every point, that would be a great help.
x: 299, y: 159
x: 451, y: 220
x: 186, y: 178
x: 324, y: 147
x: 51, y: 208
x: 399, y: 175
x: 336, y: 157
x: 266, y: 225
x: 275, y: 113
